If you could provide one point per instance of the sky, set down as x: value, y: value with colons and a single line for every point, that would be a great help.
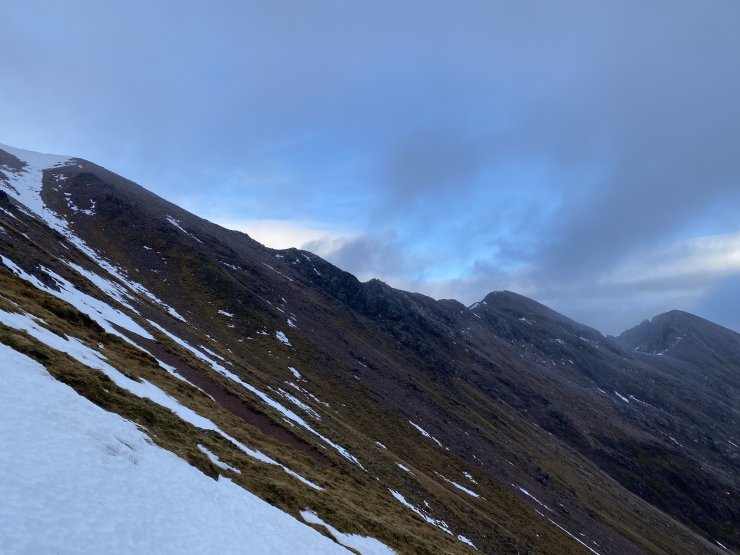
x: 585, y: 154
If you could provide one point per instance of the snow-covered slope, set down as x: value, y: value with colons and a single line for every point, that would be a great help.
x: 78, y: 479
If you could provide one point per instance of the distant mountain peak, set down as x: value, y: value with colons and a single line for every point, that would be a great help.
x: 664, y: 332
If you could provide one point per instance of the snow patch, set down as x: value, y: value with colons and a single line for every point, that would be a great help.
x: 540, y: 503
x: 458, y: 486
x: 287, y: 413
x: 423, y: 432
x: 277, y: 271
x: 298, y: 403
x: 26, y: 185
x: 108, y: 489
x: 216, y: 461
x: 144, y: 389
x: 176, y: 223
x: 441, y: 524
x: 283, y: 338
x: 622, y: 397
x: 364, y: 545
x: 467, y: 541
x: 99, y: 311
x: 584, y: 544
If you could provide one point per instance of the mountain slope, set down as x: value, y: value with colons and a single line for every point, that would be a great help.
x: 425, y: 424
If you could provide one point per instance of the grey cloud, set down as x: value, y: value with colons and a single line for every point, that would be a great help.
x: 368, y: 256
x: 562, y: 138
x: 722, y: 303
x: 430, y: 163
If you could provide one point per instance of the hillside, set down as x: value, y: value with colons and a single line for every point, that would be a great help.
x: 400, y: 422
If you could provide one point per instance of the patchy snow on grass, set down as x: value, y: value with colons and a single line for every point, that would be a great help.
x: 224, y: 313
x: 215, y: 365
x: 364, y: 545
x: 216, y: 461
x: 26, y: 186
x: 458, y: 486
x: 99, y: 311
x: 175, y: 223
x: 294, y: 418
x: 8, y: 213
x: 308, y: 394
x: 108, y: 287
x: 540, y: 503
x: 144, y: 389
x: 76, y: 209
x: 469, y: 476
x: 403, y: 467
x: 287, y: 413
x: 466, y: 541
x: 119, y: 275
x: 277, y: 271
x: 380, y: 445
x: 298, y: 403
x: 211, y: 353
x: 674, y: 441
x: 295, y: 372
x: 441, y: 524
x: 283, y: 338
x: 584, y: 544
x: 426, y: 434
x: 172, y: 371
x: 83, y: 480
x: 633, y: 398
x: 622, y: 397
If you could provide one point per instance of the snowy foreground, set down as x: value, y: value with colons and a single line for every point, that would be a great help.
x: 77, y: 479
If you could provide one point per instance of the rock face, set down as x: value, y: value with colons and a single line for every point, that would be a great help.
x: 686, y: 337
x: 428, y: 425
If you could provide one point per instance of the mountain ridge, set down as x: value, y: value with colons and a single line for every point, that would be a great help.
x: 490, y: 384
x: 7, y: 150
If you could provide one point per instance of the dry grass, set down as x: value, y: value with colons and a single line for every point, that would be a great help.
x: 352, y: 500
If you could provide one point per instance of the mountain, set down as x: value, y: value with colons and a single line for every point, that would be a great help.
x: 345, y: 413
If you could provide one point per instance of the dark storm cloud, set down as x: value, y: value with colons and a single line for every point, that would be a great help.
x: 470, y: 145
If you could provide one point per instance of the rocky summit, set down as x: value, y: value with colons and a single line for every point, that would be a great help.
x: 170, y: 386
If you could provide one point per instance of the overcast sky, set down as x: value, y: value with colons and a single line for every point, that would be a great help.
x: 586, y: 154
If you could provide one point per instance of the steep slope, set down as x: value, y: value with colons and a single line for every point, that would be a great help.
x: 427, y: 425
x: 685, y: 337
x: 80, y: 452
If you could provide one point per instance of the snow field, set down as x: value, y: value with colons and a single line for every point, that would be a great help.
x: 78, y: 479
x: 144, y: 389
